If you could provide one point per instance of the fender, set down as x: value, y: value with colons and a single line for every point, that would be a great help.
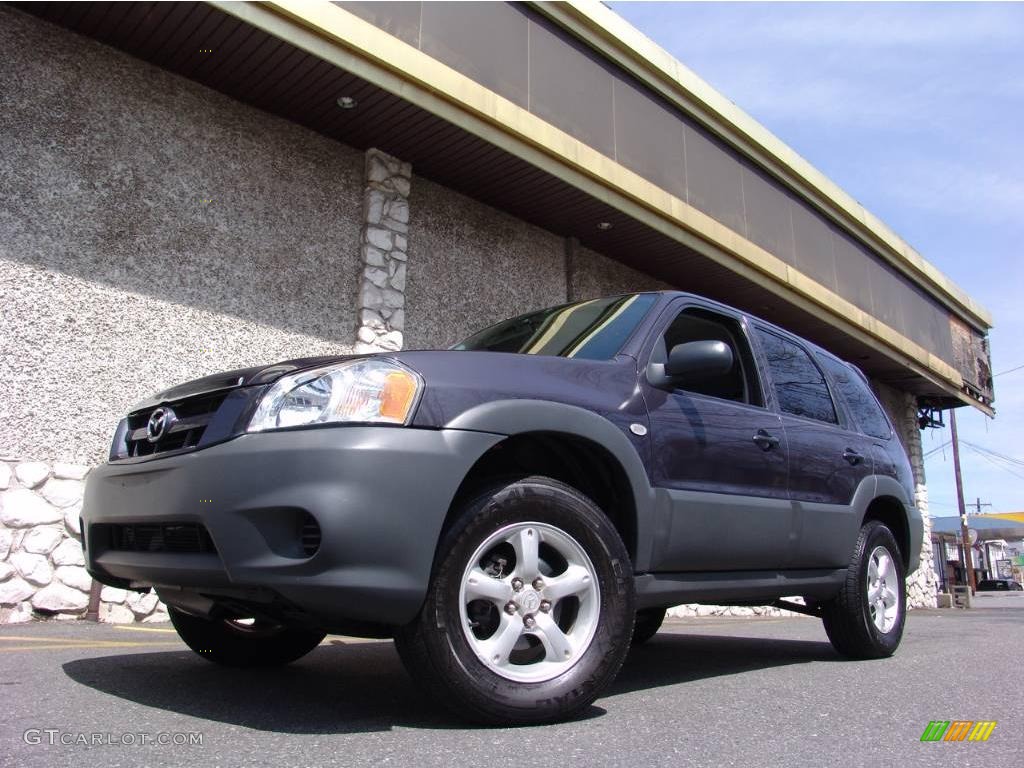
x: 889, y: 486
x: 844, y: 533
x: 516, y: 417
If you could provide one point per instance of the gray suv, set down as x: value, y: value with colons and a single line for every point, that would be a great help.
x: 519, y: 509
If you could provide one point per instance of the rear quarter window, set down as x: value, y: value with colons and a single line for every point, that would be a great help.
x: 860, y: 402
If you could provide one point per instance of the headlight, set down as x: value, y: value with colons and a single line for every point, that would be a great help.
x: 370, y: 390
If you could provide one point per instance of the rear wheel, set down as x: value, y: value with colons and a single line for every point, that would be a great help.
x: 648, y: 622
x: 529, y: 613
x: 865, y: 620
x: 244, y: 642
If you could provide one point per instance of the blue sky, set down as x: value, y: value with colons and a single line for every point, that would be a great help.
x: 917, y: 110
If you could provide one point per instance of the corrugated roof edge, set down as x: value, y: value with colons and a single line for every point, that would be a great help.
x: 625, y: 45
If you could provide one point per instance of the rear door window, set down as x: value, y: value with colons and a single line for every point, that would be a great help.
x: 799, y: 385
x: 867, y: 414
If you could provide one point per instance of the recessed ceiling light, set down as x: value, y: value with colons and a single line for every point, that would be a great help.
x: 347, y: 102
x: 604, y: 225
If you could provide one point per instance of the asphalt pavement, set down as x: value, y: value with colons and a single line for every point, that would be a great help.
x: 709, y: 691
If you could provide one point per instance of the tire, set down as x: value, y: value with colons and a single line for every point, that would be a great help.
x: 234, y: 644
x: 473, y: 648
x: 648, y: 622
x: 858, y: 625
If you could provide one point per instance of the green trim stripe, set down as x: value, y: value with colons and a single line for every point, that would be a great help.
x: 935, y: 730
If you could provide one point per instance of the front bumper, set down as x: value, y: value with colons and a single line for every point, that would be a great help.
x: 379, y: 495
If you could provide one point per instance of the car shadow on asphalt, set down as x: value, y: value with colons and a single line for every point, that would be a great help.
x: 677, y: 659
x: 361, y: 687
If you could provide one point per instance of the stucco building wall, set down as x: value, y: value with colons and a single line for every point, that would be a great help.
x: 593, y: 275
x: 471, y: 265
x: 152, y: 231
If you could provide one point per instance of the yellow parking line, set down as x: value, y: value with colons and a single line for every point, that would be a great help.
x: 69, y: 641
x: 142, y: 629
x: 329, y: 640
x: 66, y: 646
x: 22, y: 638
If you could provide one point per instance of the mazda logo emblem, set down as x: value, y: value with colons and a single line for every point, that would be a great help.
x: 160, y: 423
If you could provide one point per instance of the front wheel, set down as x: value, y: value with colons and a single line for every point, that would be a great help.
x: 865, y: 620
x: 244, y: 642
x: 530, y: 609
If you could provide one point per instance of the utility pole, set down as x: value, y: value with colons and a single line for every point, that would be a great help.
x: 978, y: 505
x: 986, y: 560
x: 968, y: 560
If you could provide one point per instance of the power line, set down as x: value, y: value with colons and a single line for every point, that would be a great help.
x: 992, y: 461
x: 996, y: 454
x: 1011, y: 370
x: 939, y: 448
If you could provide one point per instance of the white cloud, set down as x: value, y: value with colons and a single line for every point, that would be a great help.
x: 875, y: 65
x: 935, y: 81
x: 859, y: 26
x: 949, y: 187
x: 773, y: 95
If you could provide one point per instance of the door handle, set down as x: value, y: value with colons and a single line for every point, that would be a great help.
x: 765, y: 441
x: 852, y: 456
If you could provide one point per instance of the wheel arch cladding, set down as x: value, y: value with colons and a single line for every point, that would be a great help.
x: 570, y: 444
x: 891, y: 512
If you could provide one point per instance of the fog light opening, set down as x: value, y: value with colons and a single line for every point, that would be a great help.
x: 309, y: 536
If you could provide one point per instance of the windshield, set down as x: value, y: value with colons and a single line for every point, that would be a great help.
x: 589, y: 330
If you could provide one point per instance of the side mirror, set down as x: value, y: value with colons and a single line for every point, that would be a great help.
x: 696, y: 360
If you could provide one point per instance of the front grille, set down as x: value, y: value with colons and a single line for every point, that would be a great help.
x: 160, y: 537
x: 192, y: 416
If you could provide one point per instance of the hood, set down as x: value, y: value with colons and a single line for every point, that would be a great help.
x: 241, y: 377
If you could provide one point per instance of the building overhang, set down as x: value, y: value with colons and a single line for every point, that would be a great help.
x: 622, y: 43
x: 462, y: 134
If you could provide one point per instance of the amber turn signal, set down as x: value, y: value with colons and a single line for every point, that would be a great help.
x: 397, y: 396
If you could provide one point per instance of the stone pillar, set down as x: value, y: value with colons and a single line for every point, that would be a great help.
x: 384, y: 246
x: 902, y: 409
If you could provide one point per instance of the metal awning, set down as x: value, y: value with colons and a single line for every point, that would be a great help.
x: 988, y: 528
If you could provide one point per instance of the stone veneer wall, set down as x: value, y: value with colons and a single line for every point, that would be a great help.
x: 922, y: 586
x: 42, y: 570
x: 384, y: 250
